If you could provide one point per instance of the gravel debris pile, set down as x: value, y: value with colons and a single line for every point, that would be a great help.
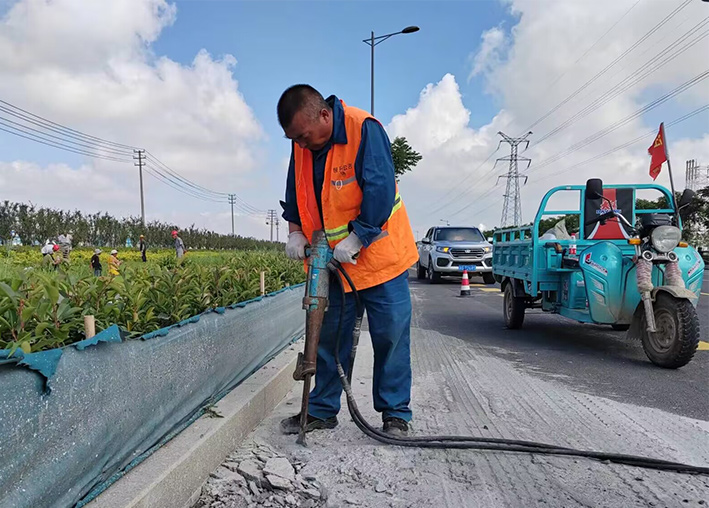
x: 258, y: 476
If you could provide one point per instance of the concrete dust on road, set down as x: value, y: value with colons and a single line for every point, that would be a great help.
x: 460, y: 389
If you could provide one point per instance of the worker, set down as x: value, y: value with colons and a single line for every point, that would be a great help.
x: 341, y: 179
x: 47, y: 250
x: 96, y: 263
x: 143, y: 248
x: 58, y: 257
x: 65, y: 245
x: 179, y: 245
x: 113, y: 263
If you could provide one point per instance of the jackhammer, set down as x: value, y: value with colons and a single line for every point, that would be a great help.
x: 315, y: 303
x: 322, y: 269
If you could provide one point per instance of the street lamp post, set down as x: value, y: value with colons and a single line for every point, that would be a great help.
x: 373, y: 41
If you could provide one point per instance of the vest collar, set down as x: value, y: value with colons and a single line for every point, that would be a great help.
x: 339, y: 133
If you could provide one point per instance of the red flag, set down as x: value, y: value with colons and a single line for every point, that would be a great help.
x: 658, y: 153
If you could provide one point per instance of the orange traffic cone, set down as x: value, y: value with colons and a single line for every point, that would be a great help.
x: 465, y: 284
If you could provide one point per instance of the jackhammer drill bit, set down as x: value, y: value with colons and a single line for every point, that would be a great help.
x: 315, y: 304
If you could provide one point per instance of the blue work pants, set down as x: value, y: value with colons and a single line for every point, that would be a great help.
x: 388, y: 307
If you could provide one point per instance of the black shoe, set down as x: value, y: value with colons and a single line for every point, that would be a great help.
x: 292, y: 425
x: 396, y: 426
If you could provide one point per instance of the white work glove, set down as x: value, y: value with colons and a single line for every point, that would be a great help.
x: 295, y: 248
x: 347, y: 250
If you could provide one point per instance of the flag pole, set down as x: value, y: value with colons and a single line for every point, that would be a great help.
x: 673, y: 202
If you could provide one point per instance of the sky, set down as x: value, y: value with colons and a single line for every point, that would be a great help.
x: 196, y: 84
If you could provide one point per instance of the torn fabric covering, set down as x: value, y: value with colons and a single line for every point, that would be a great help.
x: 45, y: 362
x: 112, y: 404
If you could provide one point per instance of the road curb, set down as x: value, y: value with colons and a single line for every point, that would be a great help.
x: 173, y: 475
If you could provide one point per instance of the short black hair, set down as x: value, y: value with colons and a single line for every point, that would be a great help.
x: 297, y: 98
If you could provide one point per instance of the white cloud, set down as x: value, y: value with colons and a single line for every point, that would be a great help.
x: 491, y: 51
x: 543, y: 46
x: 89, y: 65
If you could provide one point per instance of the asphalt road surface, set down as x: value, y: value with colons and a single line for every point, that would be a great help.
x: 554, y: 381
x: 590, y: 358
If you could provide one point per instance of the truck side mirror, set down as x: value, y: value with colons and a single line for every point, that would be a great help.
x: 426, y: 241
x: 594, y: 188
x: 489, y: 239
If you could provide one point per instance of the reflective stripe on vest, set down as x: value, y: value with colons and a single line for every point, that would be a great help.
x: 391, y: 252
x: 340, y: 232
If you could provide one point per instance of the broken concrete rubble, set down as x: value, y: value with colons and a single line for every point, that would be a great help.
x: 279, y: 466
x: 257, y: 475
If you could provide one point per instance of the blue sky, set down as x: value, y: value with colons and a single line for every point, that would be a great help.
x: 278, y: 44
x: 100, y: 80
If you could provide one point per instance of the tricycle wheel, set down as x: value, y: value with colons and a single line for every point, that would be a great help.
x: 677, y: 336
x: 420, y: 271
x: 488, y: 278
x: 621, y: 328
x: 513, y: 309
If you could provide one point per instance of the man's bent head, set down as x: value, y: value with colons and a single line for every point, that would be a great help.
x: 305, y: 117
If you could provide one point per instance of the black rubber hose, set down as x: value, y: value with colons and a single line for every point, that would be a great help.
x: 470, y: 442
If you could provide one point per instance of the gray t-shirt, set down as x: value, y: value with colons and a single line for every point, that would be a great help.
x: 179, y: 247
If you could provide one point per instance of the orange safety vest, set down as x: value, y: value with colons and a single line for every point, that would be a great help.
x: 393, y: 251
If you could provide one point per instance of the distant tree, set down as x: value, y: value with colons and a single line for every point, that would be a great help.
x: 405, y: 158
x: 695, y: 219
x: 37, y: 224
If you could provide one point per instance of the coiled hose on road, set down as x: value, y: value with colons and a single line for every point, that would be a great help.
x: 470, y: 442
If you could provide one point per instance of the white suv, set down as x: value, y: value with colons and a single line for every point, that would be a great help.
x: 448, y: 250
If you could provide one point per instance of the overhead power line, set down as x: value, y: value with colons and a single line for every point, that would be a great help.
x: 590, y: 139
x: 611, y: 64
x: 460, y: 184
x: 25, y: 124
x: 171, y: 183
x: 642, y: 138
x: 66, y: 148
x: 41, y: 135
x: 33, y: 118
x: 609, y: 129
x: 589, y: 49
x: 643, y: 71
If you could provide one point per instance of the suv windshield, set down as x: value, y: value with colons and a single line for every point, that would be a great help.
x: 458, y: 235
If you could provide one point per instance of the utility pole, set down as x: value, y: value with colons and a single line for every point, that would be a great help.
x: 141, y: 162
x: 232, y: 199
x: 278, y: 228
x: 513, y: 218
x: 271, y: 219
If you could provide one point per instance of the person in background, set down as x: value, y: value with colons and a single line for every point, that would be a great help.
x: 143, y: 248
x: 96, y: 263
x: 65, y: 244
x: 179, y: 245
x: 47, y: 250
x: 58, y: 257
x: 113, y: 263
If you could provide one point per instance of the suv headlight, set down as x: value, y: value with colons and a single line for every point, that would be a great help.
x: 665, y: 238
x: 487, y: 249
x: 442, y: 249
